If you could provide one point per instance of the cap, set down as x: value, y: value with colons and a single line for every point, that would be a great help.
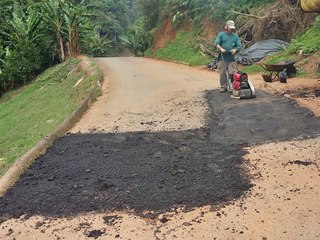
x: 230, y: 24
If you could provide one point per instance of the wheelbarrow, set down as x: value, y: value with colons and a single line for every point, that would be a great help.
x: 274, y: 70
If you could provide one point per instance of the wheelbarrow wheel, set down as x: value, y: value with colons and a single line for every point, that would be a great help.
x: 267, y: 78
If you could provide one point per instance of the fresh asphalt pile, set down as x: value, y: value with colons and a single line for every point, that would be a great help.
x: 150, y: 173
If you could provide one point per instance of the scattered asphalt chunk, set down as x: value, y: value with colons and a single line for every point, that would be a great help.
x: 301, y: 162
x: 110, y: 220
x: 10, y: 231
x: 164, y: 220
x: 95, y: 233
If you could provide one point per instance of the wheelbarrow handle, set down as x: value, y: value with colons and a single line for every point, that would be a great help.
x: 263, y: 66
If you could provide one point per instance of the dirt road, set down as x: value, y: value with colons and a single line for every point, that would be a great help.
x: 148, y: 95
x: 163, y: 155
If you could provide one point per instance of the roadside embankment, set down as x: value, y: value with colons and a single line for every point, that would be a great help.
x: 48, y: 108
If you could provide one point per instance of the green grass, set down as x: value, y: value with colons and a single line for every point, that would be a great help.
x: 255, y: 68
x: 279, y: 57
x: 308, y: 42
x: 32, y: 112
x: 183, y: 49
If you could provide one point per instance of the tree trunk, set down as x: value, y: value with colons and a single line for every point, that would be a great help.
x: 62, y: 55
x: 74, y: 41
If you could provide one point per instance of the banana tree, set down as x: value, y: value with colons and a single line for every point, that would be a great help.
x: 137, y: 40
x: 53, y: 15
x: 24, y: 26
x: 75, y: 21
x: 98, y: 45
x: 66, y: 20
x: 20, y: 63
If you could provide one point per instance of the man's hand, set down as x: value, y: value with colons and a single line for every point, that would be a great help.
x: 222, y: 50
x: 233, y: 51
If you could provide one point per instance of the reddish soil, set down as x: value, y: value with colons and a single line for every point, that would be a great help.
x: 210, y: 30
x: 165, y: 34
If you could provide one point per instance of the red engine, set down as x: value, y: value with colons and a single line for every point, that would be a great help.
x: 239, y: 80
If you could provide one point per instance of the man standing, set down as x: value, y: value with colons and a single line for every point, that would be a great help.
x: 228, y: 43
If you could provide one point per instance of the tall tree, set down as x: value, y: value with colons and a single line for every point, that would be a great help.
x: 150, y: 12
x: 53, y: 15
x: 74, y: 16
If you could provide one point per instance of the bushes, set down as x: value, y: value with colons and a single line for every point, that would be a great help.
x: 137, y: 40
x: 309, y: 42
x: 20, y: 66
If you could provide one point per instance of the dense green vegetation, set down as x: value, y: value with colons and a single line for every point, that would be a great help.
x: 36, y: 34
x: 308, y: 42
x: 35, y: 110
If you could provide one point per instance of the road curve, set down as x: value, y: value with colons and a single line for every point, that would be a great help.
x: 142, y: 94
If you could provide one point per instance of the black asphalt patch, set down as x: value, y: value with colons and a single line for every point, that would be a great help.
x: 259, y: 120
x: 150, y: 173
x: 139, y: 171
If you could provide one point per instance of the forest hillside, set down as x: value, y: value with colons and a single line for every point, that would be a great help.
x: 186, y: 29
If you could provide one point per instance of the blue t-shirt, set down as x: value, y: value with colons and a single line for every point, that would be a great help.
x: 228, y: 41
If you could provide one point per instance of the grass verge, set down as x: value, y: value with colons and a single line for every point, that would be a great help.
x: 30, y: 113
x: 183, y: 49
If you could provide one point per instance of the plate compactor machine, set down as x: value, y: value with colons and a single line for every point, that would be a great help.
x: 240, y: 86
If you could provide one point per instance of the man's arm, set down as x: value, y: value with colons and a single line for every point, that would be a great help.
x: 218, y: 42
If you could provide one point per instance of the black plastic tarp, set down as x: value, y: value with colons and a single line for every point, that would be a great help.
x: 259, y: 50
